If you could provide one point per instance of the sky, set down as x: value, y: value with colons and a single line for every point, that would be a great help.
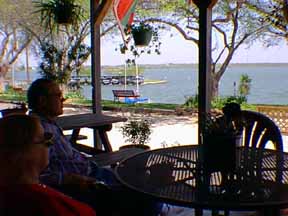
x: 177, y: 50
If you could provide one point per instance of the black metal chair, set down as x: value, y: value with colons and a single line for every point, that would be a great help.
x: 257, y: 131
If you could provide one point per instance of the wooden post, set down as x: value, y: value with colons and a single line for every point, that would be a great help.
x: 204, y: 68
x: 97, y: 13
x: 95, y: 68
x: 285, y: 10
x: 95, y: 59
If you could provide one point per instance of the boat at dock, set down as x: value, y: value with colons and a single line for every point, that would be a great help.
x: 121, y: 80
x: 107, y: 80
x: 82, y: 80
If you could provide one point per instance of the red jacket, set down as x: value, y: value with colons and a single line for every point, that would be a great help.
x: 39, y: 200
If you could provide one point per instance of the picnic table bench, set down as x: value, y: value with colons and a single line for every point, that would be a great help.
x: 102, y: 150
x: 127, y: 93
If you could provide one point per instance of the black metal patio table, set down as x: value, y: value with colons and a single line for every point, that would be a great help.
x: 176, y: 175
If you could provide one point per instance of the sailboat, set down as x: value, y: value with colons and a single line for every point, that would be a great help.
x: 137, y: 91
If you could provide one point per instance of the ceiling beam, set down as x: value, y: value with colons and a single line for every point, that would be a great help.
x: 101, y: 11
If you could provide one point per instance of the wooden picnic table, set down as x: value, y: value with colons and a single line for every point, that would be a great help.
x: 99, y: 123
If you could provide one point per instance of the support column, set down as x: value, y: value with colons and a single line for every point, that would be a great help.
x: 95, y: 68
x: 95, y: 59
x: 204, y: 67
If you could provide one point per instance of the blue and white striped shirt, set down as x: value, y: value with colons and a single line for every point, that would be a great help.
x: 63, y: 158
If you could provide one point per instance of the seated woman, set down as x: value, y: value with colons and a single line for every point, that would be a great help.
x: 23, y: 155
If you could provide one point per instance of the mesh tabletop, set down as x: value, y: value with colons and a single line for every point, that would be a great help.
x: 176, y: 175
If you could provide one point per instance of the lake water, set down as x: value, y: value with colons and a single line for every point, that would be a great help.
x: 269, y: 83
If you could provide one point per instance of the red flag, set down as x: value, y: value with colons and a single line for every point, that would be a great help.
x: 124, y: 13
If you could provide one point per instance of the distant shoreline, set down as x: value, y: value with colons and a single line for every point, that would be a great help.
x: 196, y: 65
x: 174, y: 65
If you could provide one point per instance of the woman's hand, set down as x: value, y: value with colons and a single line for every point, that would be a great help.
x: 77, y: 179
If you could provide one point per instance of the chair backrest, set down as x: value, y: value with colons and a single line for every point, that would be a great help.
x: 259, y: 129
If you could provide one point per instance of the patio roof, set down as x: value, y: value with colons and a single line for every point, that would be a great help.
x: 98, y: 11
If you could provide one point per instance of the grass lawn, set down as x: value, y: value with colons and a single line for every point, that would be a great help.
x: 77, y: 99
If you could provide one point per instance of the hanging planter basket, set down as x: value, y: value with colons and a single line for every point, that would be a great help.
x: 141, y: 33
x: 142, y: 37
x: 64, y: 14
x: 59, y: 12
x: 66, y: 11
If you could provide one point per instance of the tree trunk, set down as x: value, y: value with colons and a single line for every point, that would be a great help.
x: 214, y: 87
x: 2, y: 84
x: 27, y: 66
x: 3, y: 71
x: 63, y: 88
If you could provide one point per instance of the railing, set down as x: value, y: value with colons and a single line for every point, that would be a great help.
x: 279, y: 114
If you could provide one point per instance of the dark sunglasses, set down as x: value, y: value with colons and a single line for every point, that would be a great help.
x: 47, y: 140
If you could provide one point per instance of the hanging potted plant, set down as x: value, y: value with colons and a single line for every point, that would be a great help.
x: 135, y: 48
x: 59, y: 12
x: 142, y: 33
x: 137, y: 132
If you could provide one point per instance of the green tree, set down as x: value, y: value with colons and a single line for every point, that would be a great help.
x: 244, y: 85
x: 233, y: 25
x: 22, y: 27
x: 62, y: 48
x: 58, y: 63
x: 274, y: 14
x: 14, y: 38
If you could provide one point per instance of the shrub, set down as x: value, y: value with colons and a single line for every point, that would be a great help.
x: 218, y: 102
x: 191, y: 102
x: 137, y: 132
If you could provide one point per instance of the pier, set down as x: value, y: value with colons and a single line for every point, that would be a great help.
x: 107, y: 80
